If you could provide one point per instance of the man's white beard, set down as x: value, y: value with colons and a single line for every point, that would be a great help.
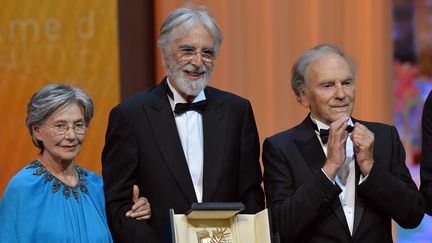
x: 190, y: 87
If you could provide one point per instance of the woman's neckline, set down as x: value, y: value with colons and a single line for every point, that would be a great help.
x: 40, y: 170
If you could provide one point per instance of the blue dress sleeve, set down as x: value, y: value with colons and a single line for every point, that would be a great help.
x: 14, y: 223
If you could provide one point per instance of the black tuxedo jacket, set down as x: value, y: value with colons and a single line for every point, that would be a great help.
x: 426, y: 155
x: 143, y: 147
x: 305, y: 205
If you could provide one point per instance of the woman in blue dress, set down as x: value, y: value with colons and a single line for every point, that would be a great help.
x: 53, y: 199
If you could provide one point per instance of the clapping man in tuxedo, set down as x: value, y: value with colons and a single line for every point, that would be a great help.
x: 181, y: 141
x: 334, y: 178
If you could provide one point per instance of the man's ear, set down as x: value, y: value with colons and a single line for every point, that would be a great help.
x: 165, y: 57
x: 303, y: 98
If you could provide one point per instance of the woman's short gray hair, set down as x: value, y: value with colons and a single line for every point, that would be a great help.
x: 299, y: 78
x: 187, y: 17
x: 52, y: 98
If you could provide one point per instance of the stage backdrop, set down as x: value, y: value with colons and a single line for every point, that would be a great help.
x: 46, y: 41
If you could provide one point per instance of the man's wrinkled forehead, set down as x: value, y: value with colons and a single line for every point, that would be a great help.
x: 183, y: 30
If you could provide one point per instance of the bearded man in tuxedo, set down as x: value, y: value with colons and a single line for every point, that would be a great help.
x: 181, y: 141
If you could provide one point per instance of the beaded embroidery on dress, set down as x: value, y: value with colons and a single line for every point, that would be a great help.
x: 40, y: 170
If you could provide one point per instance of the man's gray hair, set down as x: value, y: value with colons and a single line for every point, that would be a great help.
x: 52, y: 98
x: 187, y: 17
x: 299, y: 78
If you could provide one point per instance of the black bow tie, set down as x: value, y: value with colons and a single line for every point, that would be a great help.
x: 324, y: 133
x: 181, y: 108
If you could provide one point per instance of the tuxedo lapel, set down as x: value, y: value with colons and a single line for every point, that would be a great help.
x: 214, y: 129
x: 162, y: 120
x: 309, y: 145
x: 338, y: 210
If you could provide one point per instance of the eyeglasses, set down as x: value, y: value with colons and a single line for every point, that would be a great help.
x: 62, y: 128
x: 187, y: 53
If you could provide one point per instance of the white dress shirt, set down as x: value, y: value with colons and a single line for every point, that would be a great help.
x: 190, y: 129
x: 345, y: 177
